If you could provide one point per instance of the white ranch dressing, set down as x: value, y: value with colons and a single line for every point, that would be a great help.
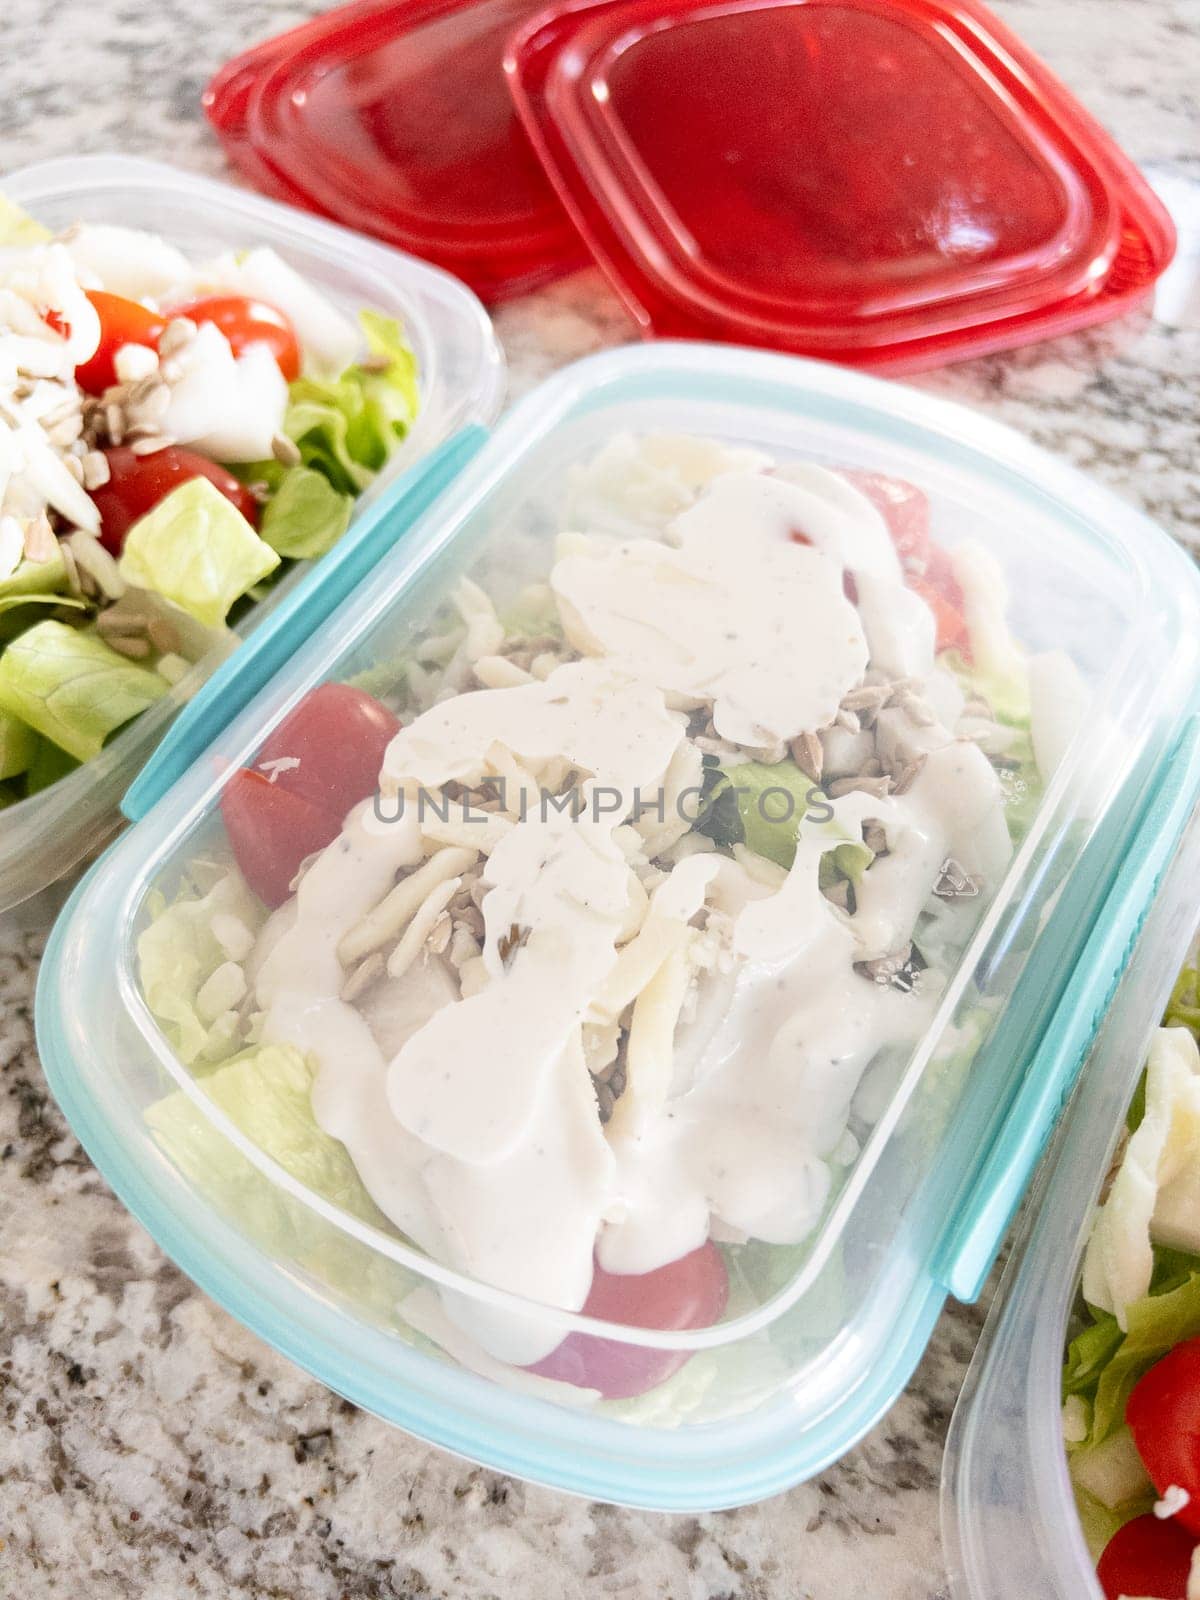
x: 479, y: 1137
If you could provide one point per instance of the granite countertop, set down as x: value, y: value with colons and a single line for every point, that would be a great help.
x: 151, y: 1447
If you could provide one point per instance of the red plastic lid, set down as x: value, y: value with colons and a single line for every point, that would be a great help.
x: 888, y: 183
x: 392, y: 116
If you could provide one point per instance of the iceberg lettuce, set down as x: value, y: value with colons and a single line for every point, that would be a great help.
x: 71, y: 688
x: 197, y: 550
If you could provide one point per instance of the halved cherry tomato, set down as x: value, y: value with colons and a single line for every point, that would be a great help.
x: 904, y: 508
x: 941, y: 592
x: 1148, y: 1556
x: 276, y: 813
x: 271, y: 831
x: 122, y: 322
x: 338, y: 734
x: 689, y: 1293
x: 245, y: 322
x: 137, y: 483
x: 1163, y: 1414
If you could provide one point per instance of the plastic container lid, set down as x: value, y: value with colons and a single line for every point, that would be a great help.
x: 461, y: 379
x: 394, y: 118
x: 820, y: 1340
x: 1010, y: 1527
x: 887, y: 183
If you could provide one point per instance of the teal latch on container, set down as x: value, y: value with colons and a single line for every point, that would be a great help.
x: 239, y: 678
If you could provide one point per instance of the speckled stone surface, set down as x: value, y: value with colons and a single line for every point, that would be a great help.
x: 149, y: 1446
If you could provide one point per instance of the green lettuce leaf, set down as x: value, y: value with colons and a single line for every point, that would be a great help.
x: 49, y: 764
x: 266, y: 1093
x: 347, y: 427
x: 763, y: 808
x: 72, y: 688
x: 18, y: 227
x: 306, y: 515
x: 197, y: 550
x: 179, y: 952
x: 1102, y: 1365
x: 18, y: 745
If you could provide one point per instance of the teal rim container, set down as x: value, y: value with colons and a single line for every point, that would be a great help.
x: 461, y: 375
x: 819, y: 1342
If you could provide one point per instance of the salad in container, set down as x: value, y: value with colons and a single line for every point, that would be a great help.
x: 1081, y: 1401
x: 181, y: 427
x: 580, y: 974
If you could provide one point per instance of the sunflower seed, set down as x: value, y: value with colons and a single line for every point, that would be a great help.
x: 164, y: 635
x: 848, y: 720
x: 114, y: 422
x: 879, y: 788
x: 363, y: 976
x: 809, y: 755
x: 285, y: 450
x: 908, y: 775
x: 75, y: 467
x: 129, y: 645
x: 917, y: 710
x: 867, y: 698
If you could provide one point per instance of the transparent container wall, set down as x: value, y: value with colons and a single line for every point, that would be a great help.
x: 1008, y: 1512
x: 461, y: 377
x: 808, y: 1326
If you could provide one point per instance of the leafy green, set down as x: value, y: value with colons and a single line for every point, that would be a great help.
x: 1103, y: 1365
x: 72, y: 688
x: 347, y: 427
x: 10, y: 602
x: 764, y: 807
x: 266, y: 1093
x: 18, y: 227
x: 49, y: 764
x: 18, y: 744
x: 196, y: 549
x: 179, y: 952
x: 306, y: 515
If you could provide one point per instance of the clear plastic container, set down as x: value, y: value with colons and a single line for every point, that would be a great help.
x: 1008, y: 1512
x: 817, y: 1342
x: 461, y: 376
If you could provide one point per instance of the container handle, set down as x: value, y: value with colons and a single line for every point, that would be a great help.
x: 981, y: 1224
x: 276, y: 638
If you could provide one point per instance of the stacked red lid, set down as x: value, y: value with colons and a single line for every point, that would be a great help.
x: 888, y: 183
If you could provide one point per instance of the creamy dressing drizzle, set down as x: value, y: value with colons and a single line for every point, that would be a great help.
x: 476, y: 1131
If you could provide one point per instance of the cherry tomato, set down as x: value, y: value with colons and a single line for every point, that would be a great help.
x: 271, y: 831
x: 338, y: 734
x: 137, y: 483
x: 121, y: 322
x: 275, y: 815
x: 245, y: 322
x: 904, y: 508
x: 688, y: 1293
x: 1164, y: 1416
x: 1148, y: 1556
